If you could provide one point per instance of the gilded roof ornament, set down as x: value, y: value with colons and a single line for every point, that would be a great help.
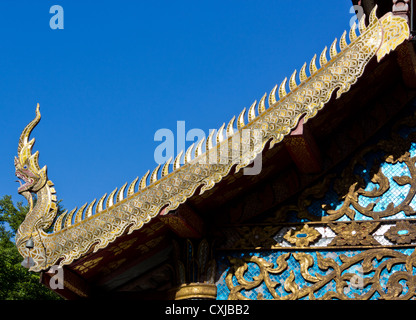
x: 79, y: 231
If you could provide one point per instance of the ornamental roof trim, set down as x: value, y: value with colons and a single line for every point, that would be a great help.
x: 93, y: 226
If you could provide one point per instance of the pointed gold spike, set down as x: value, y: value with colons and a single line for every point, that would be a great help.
x: 262, y: 105
x: 99, y: 206
x: 198, y: 149
x: 272, y: 96
x: 220, y: 136
x: 24, y: 149
x: 302, y: 74
x: 88, y: 212
x: 120, y: 193
x: 343, y: 41
x: 165, y: 169
x: 78, y: 215
x: 282, y: 89
x: 292, y: 81
x: 153, y: 177
x: 188, y: 153
x: 361, y: 25
x: 68, y: 220
x: 58, y: 223
x: 252, y: 112
x: 132, y: 186
x: 333, y: 49
x: 373, y: 16
x: 312, y: 65
x: 240, y: 120
x: 110, y: 200
x: 322, y: 58
x: 177, y: 161
x: 142, y: 183
x: 208, y: 144
x: 352, y: 33
x: 230, y: 129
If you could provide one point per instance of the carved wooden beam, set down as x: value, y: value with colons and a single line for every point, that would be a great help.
x: 303, y: 149
x: 184, y: 222
x: 406, y: 55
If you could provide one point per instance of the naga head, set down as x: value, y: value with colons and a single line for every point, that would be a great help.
x: 27, y: 165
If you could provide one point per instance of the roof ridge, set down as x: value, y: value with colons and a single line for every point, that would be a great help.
x: 67, y: 218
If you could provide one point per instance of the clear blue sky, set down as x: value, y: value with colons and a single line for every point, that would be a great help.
x: 121, y: 70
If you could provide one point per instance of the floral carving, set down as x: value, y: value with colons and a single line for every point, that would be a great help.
x: 302, y: 236
x: 403, y: 232
x: 354, y: 234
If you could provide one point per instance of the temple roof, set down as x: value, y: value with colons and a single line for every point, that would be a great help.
x: 254, y: 137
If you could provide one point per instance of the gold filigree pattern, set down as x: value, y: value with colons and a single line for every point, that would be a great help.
x: 116, y: 250
x: 321, y: 236
x: 88, y: 265
x: 335, y: 272
x: 77, y: 232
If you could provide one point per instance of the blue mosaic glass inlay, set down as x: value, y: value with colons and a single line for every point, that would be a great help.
x: 351, y: 290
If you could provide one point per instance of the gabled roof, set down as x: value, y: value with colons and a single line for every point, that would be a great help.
x: 94, y: 226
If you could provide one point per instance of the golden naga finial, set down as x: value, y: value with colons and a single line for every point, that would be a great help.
x: 40, y: 215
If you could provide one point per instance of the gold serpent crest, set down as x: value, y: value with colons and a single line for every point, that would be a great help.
x: 77, y: 232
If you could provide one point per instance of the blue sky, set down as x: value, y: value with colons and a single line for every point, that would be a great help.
x: 121, y: 70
